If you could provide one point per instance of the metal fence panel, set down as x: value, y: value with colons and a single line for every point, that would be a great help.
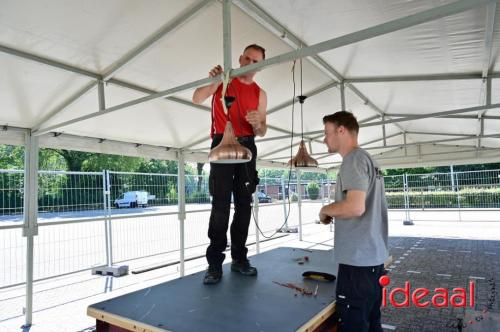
x: 161, y: 188
x: 11, y: 192
x: 12, y: 257
x: 60, y: 192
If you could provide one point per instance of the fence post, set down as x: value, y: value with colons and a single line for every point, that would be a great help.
x: 284, y: 201
x: 108, y: 218
x: 458, y: 199
x: 299, y: 204
x: 105, y: 194
x: 30, y: 226
x: 407, y: 220
x: 181, y: 201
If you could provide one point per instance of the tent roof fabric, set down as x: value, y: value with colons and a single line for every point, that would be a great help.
x: 65, y: 60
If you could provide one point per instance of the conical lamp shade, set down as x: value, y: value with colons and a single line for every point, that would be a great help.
x: 302, y: 158
x: 229, y: 151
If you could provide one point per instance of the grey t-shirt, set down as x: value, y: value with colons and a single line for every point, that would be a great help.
x: 362, y: 241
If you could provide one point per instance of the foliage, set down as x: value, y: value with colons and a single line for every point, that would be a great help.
x: 464, y: 198
x: 313, y: 190
x: 198, y: 197
x: 172, y: 194
x: 294, y: 197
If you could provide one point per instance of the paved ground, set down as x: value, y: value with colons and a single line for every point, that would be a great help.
x: 448, y: 263
x: 429, y: 254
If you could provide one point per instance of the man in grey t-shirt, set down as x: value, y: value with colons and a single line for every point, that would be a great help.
x: 361, y: 231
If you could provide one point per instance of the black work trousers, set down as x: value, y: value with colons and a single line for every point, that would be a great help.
x: 358, y: 298
x: 240, y: 180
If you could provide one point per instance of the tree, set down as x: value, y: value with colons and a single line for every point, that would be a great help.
x: 97, y: 162
x: 12, y: 157
x: 74, y: 159
x: 157, y: 166
x: 313, y: 190
x: 199, y: 168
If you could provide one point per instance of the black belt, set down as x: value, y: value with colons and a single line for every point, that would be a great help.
x: 240, y: 139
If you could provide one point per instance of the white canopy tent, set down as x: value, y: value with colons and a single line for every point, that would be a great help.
x: 117, y: 77
x: 423, y: 87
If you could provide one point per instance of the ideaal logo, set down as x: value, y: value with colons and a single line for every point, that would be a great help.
x: 423, y: 297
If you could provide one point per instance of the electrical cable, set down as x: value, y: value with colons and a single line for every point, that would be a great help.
x: 291, y: 154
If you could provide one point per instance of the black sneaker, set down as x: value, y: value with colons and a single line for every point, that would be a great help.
x: 212, y: 276
x: 244, y: 268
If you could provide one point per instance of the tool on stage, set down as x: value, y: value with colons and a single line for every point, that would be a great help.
x: 321, y: 276
x: 301, y: 260
x: 303, y: 291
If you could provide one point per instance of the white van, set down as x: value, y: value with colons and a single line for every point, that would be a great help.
x: 132, y: 199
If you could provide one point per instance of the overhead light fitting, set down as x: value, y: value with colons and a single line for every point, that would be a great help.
x: 302, y: 159
x: 229, y: 150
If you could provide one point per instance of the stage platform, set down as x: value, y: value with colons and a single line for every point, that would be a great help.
x: 237, y: 303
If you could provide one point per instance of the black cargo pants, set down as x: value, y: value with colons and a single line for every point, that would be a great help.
x: 358, y: 298
x: 241, y: 180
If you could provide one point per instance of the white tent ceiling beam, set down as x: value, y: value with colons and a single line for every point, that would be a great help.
x: 421, y: 116
x: 488, y: 46
x: 274, y: 26
x: 310, y: 138
x: 417, y: 78
x: 469, y: 150
x: 431, y: 115
x: 101, y: 95
x: 433, y: 142
x: 414, y: 160
x: 309, y: 94
x: 369, y: 103
x: 378, y: 30
x: 319, y: 132
x: 67, y: 103
x: 139, y: 88
x: 447, y: 140
x: 486, y: 117
x: 342, y: 96
x: 122, y: 62
x: 289, y: 146
x: 178, y: 21
x: 364, y: 144
x: 226, y: 34
x: 267, y: 21
x: 437, y: 134
x: 51, y: 63
x: 488, y: 39
x: 130, y: 103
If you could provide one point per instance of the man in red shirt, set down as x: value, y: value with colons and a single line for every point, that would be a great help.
x: 248, y: 117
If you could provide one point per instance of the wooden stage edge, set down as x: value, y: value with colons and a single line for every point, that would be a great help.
x: 122, y: 322
x: 319, y: 319
x: 115, y: 315
x: 130, y: 325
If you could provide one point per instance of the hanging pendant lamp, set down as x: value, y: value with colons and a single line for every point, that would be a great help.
x: 229, y: 150
x: 302, y: 159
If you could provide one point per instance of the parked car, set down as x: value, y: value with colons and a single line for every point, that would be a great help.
x: 132, y: 199
x: 263, y: 197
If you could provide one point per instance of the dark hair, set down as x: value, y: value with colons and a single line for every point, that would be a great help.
x: 257, y: 48
x: 343, y: 118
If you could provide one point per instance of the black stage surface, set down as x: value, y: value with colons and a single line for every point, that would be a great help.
x: 237, y: 303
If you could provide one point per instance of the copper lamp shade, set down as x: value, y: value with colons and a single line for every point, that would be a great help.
x: 229, y: 150
x: 302, y: 158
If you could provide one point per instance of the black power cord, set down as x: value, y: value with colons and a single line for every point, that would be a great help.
x: 291, y: 156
